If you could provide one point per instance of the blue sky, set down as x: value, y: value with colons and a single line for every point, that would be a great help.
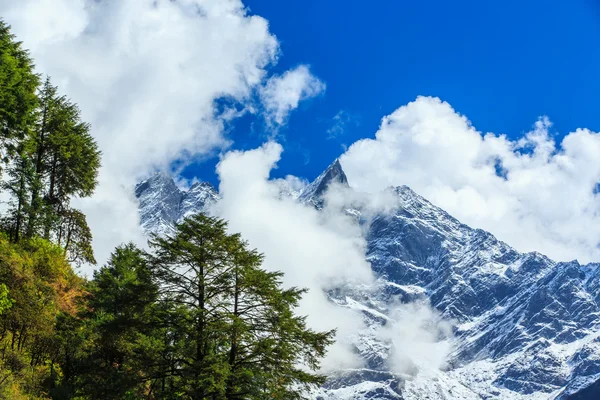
x: 502, y: 64
x: 146, y: 75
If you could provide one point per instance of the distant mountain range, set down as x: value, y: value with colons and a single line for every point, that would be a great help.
x: 527, y: 327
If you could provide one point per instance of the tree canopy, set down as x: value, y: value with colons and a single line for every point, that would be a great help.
x: 240, y: 338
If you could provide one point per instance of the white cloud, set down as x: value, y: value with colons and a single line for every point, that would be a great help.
x: 146, y: 74
x: 322, y: 250
x: 529, y: 192
x: 282, y: 94
x: 315, y: 250
x: 290, y: 186
x: 420, y: 339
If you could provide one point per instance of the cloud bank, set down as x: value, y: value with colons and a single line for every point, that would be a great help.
x: 420, y: 339
x: 146, y: 74
x: 315, y: 250
x: 533, y: 193
x: 323, y: 250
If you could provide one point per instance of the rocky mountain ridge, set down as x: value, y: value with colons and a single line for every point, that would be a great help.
x: 526, y: 327
x: 162, y: 203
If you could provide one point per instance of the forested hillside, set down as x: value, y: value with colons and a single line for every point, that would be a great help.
x: 197, y: 317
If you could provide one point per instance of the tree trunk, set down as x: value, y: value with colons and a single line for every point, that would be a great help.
x: 51, y: 198
x: 35, y: 192
x: 200, y: 345
x: 230, y: 391
x: 40, y: 149
x: 68, y: 241
x: 21, y: 201
x: 18, y: 219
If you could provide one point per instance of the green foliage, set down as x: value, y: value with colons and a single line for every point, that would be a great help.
x: 76, y: 237
x: 122, y: 338
x: 5, y: 301
x: 66, y: 163
x: 50, y: 154
x: 42, y: 286
x: 199, y: 319
x: 20, y: 174
x: 18, y: 84
x: 239, y: 336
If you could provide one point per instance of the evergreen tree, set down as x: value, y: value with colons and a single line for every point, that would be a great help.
x: 48, y: 119
x: 66, y: 161
x: 54, y: 160
x: 242, y: 339
x: 192, y: 269
x: 75, y: 236
x: 122, y: 343
x: 20, y: 179
x: 267, y: 342
x: 18, y: 84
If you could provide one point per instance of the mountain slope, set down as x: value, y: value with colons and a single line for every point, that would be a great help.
x: 526, y: 327
x: 162, y: 203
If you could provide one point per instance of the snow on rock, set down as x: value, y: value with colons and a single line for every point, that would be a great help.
x: 526, y: 327
x: 162, y: 203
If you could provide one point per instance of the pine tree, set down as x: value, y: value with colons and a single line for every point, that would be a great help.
x: 18, y: 84
x: 47, y: 120
x: 18, y: 106
x: 193, y: 271
x: 242, y: 338
x: 75, y: 236
x: 122, y: 331
x: 20, y: 180
x: 66, y: 161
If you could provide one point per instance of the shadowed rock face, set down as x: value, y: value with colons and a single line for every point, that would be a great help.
x: 159, y: 199
x: 526, y: 326
x: 591, y: 392
x: 313, y: 193
x: 162, y: 203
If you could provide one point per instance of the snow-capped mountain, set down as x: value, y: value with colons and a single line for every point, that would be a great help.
x: 526, y: 327
x: 313, y: 193
x: 162, y: 203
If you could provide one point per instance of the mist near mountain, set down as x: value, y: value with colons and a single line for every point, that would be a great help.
x: 426, y: 306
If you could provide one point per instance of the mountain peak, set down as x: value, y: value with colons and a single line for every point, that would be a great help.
x: 335, y: 172
x: 199, y: 198
x: 162, y: 203
x: 332, y: 175
x: 158, y: 180
x: 202, y: 185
